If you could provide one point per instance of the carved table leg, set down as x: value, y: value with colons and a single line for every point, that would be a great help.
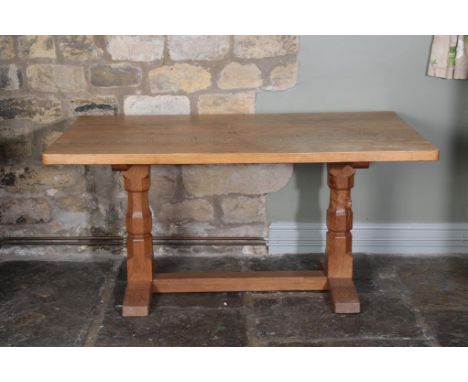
x: 339, y: 263
x: 139, y: 242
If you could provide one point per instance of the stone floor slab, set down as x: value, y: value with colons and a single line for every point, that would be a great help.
x: 303, y: 318
x: 210, y: 319
x: 49, y: 303
x: 285, y: 263
x: 197, y: 264
x: 436, y: 283
x: 364, y: 342
x: 450, y: 327
x: 175, y: 327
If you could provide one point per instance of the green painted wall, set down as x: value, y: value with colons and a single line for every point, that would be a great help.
x: 366, y: 73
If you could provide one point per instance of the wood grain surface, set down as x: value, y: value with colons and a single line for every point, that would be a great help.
x: 260, y: 138
x: 182, y: 282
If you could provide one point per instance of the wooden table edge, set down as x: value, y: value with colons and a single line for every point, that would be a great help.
x: 239, y: 158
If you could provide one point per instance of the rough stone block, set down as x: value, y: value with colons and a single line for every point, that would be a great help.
x: 15, y: 151
x: 115, y: 75
x: 108, y: 213
x: 50, y: 138
x: 13, y: 129
x: 242, y: 209
x: 209, y: 229
x: 36, y: 47
x: 161, y: 190
x: 199, y: 210
x: 93, y: 106
x: 227, y: 103
x: 79, y: 48
x: 264, y: 46
x: 24, y: 211
x: 163, y: 184
x: 179, y: 77
x: 11, y: 77
x: 198, y: 47
x: 240, y: 179
x: 136, y: 48
x: 283, y: 77
x: 16, y: 141
x: 7, y: 50
x: 39, y: 178
x: 38, y: 109
x: 240, y: 76
x: 74, y: 203
x: 147, y: 105
x: 56, y: 78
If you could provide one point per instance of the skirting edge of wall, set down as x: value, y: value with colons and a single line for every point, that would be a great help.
x: 414, y: 238
x: 289, y: 237
x: 120, y: 241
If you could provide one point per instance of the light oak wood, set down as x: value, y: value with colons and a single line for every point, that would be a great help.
x: 344, y: 296
x: 239, y: 281
x: 261, y: 138
x: 139, y: 242
x: 120, y: 167
x: 346, y: 141
x: 137, y: 299
x: 339, y: 264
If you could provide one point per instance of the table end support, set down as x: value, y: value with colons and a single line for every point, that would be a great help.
x: 339, y: 255
x: 138, y: 294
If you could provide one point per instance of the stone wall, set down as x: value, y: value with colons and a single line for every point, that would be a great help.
x: 46, y: 81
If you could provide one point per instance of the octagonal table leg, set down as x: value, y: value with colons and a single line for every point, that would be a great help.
x: 339, y: 264
x: 138, y: 293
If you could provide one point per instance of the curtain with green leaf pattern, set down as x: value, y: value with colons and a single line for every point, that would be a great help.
x: 449, y: 57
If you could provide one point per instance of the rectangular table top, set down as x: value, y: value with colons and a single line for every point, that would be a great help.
x: 256, y: 138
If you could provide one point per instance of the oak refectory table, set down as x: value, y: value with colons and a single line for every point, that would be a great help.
x: 344, y: 141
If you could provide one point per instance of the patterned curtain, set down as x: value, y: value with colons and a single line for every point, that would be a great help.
x: 449, y: 57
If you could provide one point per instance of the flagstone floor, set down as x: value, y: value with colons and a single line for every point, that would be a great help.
x: 406, y: 301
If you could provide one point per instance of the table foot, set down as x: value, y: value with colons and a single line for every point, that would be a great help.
x: 344, y: 296
x: 137, y: 299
